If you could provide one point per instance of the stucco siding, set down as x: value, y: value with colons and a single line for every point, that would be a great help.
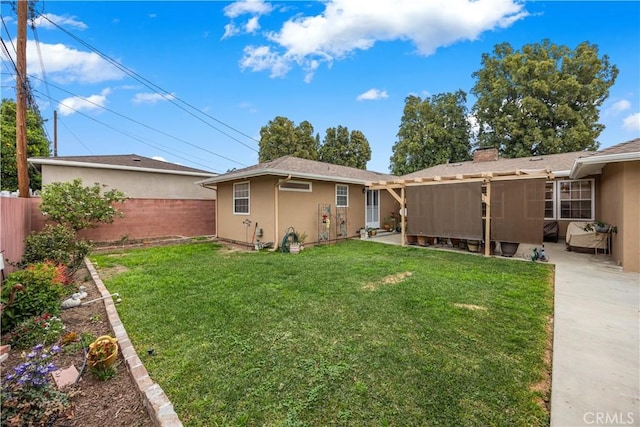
x: 631, y: 217
x: 261, y: 212
x: 619, y: 205
x: 135, y: 184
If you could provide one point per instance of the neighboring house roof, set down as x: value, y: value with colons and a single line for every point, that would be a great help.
x: 295, y: 167
x: 130, y: 162
x: 623, y: 152
x: 559, y: 164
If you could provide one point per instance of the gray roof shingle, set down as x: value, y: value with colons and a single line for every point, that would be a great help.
x: 632, y: 146
x: 553, y: 162
x: 124, y: 160
x: 297, y: 167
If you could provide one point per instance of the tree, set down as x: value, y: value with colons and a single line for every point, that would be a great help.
x: 37, y: 145
x: 282, y: 138
x: 347, y: 149
x: 432, y: 131
x: 544, y: 99
x: 78, y: 207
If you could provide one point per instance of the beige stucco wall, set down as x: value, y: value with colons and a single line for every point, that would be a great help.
x: 619, y: 204
x: 276, y: 210
x: 138, y: 185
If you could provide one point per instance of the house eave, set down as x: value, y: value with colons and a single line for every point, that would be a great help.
x: 593, y: 165
x: 279, y: 173
x: 68, y: 163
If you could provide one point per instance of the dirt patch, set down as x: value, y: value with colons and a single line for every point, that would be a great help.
x: 392, y: 279
x: 543, y: 387
x: 94, y: 403
x: 472, y: 307
x: 108, y: 273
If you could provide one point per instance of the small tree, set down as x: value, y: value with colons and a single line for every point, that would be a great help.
x: 78, y: 207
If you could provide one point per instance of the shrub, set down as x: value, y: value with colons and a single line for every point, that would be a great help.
x: 45, y: 329
x: 28, y: 397
x: 55, y: 243
x: 45, y: 284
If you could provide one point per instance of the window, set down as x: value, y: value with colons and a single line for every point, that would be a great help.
x: 576, y: 199
x: 549, y: 201
x: 241, y: 198
x: 342, y: 195
x: 296, y: 186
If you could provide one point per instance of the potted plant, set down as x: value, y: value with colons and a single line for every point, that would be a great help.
x: 387, y: 223
x: 600, y: 227
x: 509, y: 249
x: 301, y: 239
x: 371, y: 231
x: 103, y: 352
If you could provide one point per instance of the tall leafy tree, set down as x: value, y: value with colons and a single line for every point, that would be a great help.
x: 37, y: 145
x: 432, y: 131
x: 347, y: 149
x: 281, y: 137
x: 542, y: 99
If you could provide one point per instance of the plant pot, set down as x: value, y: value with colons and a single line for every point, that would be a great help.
x: 602, y: 228
x: 422, y: 241
x: 412, y: 240
x: 99, y: 360
x: 294, y: 248
x: 509, y: 248
x: 473, y: 245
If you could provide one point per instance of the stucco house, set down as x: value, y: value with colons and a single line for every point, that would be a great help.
x: 324, y: 201
x: 138, y: 176
x: 616, y: 173
x: 163, y: 199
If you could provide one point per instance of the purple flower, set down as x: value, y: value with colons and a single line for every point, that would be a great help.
x: 38, y: 347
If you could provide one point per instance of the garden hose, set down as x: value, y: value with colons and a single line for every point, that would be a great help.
x: 290, y: 236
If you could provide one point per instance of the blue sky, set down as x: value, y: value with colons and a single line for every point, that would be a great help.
x: 225, y: 69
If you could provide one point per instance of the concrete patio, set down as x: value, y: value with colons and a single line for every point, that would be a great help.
x: 596, y: 343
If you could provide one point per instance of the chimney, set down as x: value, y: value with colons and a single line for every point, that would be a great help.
x: 485, y: 155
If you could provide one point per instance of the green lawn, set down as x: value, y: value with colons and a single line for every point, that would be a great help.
x: 357, y: 333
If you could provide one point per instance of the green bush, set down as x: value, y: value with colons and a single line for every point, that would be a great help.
x: 44, y: 286
x: 55, y: 243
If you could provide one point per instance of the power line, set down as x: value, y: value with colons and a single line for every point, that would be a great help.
x: 138, y: 123
x: 140, y: 139
x: 157, y: 89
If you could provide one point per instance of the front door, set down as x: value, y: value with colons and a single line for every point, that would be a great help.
x: 373, y: 209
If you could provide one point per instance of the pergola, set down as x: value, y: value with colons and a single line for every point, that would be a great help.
x: 451, y: 206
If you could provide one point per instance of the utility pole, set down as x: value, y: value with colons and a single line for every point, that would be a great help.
x: 55, y: 133
x: 21, y: 101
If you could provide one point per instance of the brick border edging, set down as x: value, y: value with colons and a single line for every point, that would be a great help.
x: 155, y: 400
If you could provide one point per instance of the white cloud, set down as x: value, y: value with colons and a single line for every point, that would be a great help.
x: 151, y: 98
x: 230, y: 30
x: 262, y: 58
x: 372, y: 95
x: 252, y: 25
x: 63, y: 64
x: 251, y: 7
x: 76, y: 104
x: 620, y: 106
x: 632, y: 122
x: 44, y: 21
x: 346, y: 26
